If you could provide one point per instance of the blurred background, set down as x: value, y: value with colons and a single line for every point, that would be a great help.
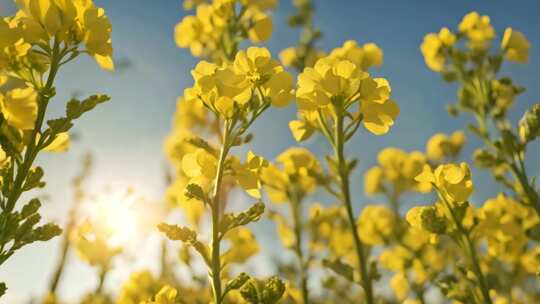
x: 125, y: 136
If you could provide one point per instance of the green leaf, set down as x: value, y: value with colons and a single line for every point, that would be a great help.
x: 3, y: 289
x: 236, y: 283
x: 187, y: 236
x: 203, y: 144
x: 46, y: 232
x: 76, y: 108
x: 231, y: 221
x: 60, y: 125
x: 342, y: 269
x: 24, y: 232
x: 30, y: 208
x: 34, y: 179
x: 194, y: 191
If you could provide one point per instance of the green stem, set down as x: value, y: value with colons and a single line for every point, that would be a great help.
x: 296, y: 210
x: 102, y: 276
x: 32, y: 149
x: 216, y: 214
x: 61, y: 264
x: 471, y: 251
x: 517, y: 167
x: 343, y: 172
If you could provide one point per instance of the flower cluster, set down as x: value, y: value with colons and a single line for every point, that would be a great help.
x: 339, y: 84
x: 397, y: 168
x: 218, y: 27
x: 35, y: 42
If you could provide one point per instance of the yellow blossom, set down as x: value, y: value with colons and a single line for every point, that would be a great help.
x: 166, y: 295
x: 441, y: 146
x: 61, y: 143
x: 478, y: 30
x: 243, y: 246
x: 373, y: 180
x: 364, y: 57
x: 376, y: 224
x: 400, y: 285
x: 247, y: 175
x: 45, y: 19
x: 452, y: 180
x: 19, y: 108
x: 432, y: 48
x: 531, y: 260
x: 515, y: 45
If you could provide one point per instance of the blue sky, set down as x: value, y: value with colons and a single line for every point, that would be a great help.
x: 126, y: 135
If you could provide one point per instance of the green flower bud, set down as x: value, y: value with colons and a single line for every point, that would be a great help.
x: 529, y: 125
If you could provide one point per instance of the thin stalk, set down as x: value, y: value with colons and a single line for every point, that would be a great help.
x: 216, y: 214
x: 517, y: 167
x: 102, y: 276
x: 32, y: 149
x: 471, y: 251
x: 61, y: 264
x: 343, y: 172
x: 296, y: 210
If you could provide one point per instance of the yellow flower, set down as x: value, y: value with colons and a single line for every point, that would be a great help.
x: 295, y: 176
x: 167, y: 295
x: 247, y: 175
x: 92, y: 245
x: 261, y: 29
x: 432, y: 48
x: 243, y: 246
x: 531, y: 260
x: 12, y: 44
x: 400, y: 285
x: 200, y: 166
x: 60, y: 143
x: 427, y: 218
x: 364, y: 57
x: 378, y: 117
x: 298, y: 161
x: 373, y: 180
x: 515, y: 45
x: 334, y: 82
x: 96, y: 34
x: 504, y: 93
x: 395, y: 258
x: 285, y: 233
x: 478, y: 30
x: 255, y: 64
x: 217, y: 86
x: 19, y: 108
x: 452, y: 180
x: 188, y: 33
x: 301, y: 130
x: 288, y: 56
x: 399, y: 169
x: 4, y: 159
x: 45, y: 19
x: 193, y: 209
x: 140, y: 287
x: 503, y: 222
x: 328, y: 79
x: 441, y: 146
x: 376, y: 224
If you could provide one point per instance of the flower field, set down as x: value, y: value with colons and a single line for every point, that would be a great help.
x: 278, y: 161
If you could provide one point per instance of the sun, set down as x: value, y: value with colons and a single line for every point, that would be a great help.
x: 115, y: 214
